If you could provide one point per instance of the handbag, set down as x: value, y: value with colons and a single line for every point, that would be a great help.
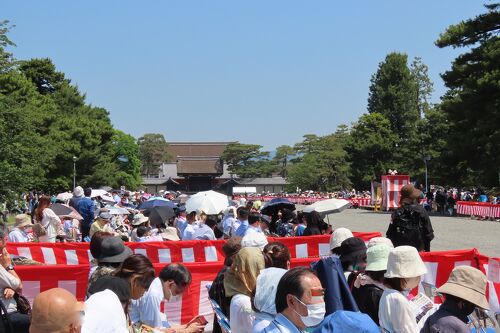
x: 23, y: 305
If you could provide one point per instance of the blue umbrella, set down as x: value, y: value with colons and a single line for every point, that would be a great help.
x: 276, y: 204
x: 156, y: 202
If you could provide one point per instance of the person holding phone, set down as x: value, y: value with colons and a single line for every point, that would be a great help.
x: 168, y: 287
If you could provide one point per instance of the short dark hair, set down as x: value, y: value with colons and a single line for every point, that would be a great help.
x: 142, y: 230
x: 210, y: 221
x: 137, y: 265
x: 253, y: 218
x: 177, y: 273
x: 242, y: 212
x: 276, y: 254
x: 87, y: 191
x: 376, y: 275
x: 290, y: 283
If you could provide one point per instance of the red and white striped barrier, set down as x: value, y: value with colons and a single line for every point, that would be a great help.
x: 308, y: 200
x: 473, y: 208
x: 169, y: 251
x: 195, y: 300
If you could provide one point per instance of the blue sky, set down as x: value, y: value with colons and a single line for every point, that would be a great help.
x: 264, y: 72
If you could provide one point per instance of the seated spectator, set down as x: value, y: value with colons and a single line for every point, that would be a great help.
x: 239, y: 282
x: 299, y: 302
x: 404, y: 270
x: 56, y: 311
x: 353, y: 256
x: 10, y: 283
x: 338, y: 236
x: 111, y: 253
x: 106, y: 310
x: 301, y: 224
x: 138, y: 221
x: 139, y: 272
x: 205, y: 230
x: 369, y: 286
x: 19, y: 233
x: 264, y: 297
x: 464, y: 291
x: 258, y: 240
x: 217, y: 291
x: 101, y: 224
x: 276, y: 254
x: 169, y: 285
x: 145, y: 234
x: 347, y: 322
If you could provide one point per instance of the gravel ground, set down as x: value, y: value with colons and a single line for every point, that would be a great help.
x: 451, y: 233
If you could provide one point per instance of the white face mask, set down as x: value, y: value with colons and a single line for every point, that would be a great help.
x: 315, y: 313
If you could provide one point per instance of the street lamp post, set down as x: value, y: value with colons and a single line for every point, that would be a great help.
x: 427, y: 158
x: 74, y: 172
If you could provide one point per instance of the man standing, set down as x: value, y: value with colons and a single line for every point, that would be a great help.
x: 189, y: 230
x: 253, y: 224
x: 56, y: 311
x: 166, y: 288
x: 180, y: 222
x: 241, y: 222
x: 86, y: 208
x: 299, y: 302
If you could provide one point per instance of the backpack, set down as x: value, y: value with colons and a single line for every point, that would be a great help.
x: 406, y: 228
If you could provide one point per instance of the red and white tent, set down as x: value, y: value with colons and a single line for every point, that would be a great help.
x: 391, y: 186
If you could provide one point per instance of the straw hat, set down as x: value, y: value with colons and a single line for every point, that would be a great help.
x: 170, y: 233
x: 139, y: 219
x: 22, y: 220
x: 467, y: 283
x: 376, y: 257
x: 338, y: 236
x: 404, y: 262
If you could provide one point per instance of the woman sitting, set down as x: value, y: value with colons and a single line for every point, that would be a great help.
x: 239, y: 281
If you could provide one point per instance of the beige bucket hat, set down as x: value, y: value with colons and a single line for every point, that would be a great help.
x: 404, y: 262
x: 467, y: 283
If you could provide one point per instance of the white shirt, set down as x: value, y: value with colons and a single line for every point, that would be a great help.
x: 104, y: 314
x: 396, y: 313
x: 252, y: 230
x: 18, y: 236
x: 147, y: 309
x: 52, y: 223
x: 241, y: 314
x: 235, y: 226
x: 188, y: 233
x: 8, y: 280
x: 204, y: 232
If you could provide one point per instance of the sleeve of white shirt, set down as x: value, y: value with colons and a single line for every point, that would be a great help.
x: 8, y: 280
x: 241, y: 314
x: 16, y: 237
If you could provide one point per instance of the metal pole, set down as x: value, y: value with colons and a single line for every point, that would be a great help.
x: 426, y: 188
x: 74, y: 172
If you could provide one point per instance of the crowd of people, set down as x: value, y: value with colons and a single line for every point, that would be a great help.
x: 365, y: 287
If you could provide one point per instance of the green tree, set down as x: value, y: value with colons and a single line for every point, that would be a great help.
x: 7, y: 61
x: 247, y: 160
x: 282, y: 159
x: 153, y: 151
x: 472, y: 103
x: 42, y: 72
x: 392, y: 94
x: 323, y: 166
x: 370, y: 147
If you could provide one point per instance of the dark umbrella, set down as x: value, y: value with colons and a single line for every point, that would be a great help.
x: 156, y: 203
x: 65, y: 210
x: 271, y: 207
x: 159, y: 215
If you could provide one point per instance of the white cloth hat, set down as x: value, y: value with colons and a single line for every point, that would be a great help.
x: 254, y: 239
x: 339, y: 235
x: 379, y: 241
x: 265, y: 289
x: 78, y: 191
x: 404, y: 262
x: 376, y: 257
x: 139, y: 219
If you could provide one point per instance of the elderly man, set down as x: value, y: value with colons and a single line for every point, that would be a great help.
x: 56, y: 311
x: 299, y: 302
x: 102, y: 223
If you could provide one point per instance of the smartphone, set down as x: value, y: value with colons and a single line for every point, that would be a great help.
x: 200, y: 320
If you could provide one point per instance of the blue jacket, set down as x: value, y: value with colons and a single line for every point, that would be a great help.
x: 337, y: 293
x: 347, y: 322
x: 86, y: 208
